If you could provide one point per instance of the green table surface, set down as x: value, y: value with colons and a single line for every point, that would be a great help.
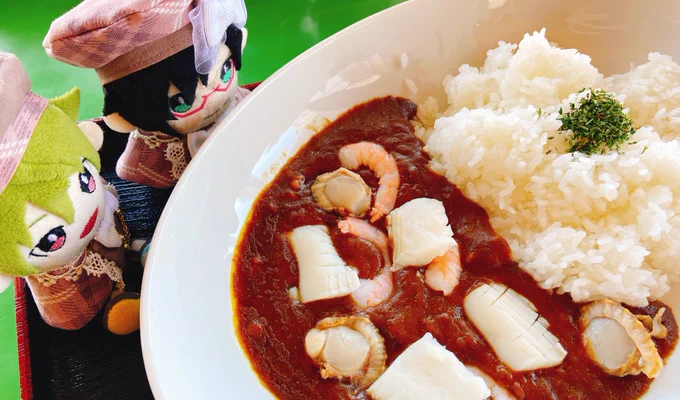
x: 277, y: 32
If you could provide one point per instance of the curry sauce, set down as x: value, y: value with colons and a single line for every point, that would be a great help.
x: 272, y: 326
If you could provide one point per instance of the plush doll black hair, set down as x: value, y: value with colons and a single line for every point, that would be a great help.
x: 141, y: 98
x: 168, y: 70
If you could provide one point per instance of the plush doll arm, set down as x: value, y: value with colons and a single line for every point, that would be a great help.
x: 119, y: 124
x: 93, y: 132
x: 195, y: 140
x: 5, y: 281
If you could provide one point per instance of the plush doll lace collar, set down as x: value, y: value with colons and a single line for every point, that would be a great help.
x: 90, y: 261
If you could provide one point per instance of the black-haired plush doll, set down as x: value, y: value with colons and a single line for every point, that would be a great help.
x: 168, y: 69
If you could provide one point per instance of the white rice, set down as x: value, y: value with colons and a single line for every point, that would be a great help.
x: 652, y: 93
x: 599, y: 226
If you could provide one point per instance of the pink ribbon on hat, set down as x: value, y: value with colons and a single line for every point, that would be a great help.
x: 21, y: 110
x: 210, y: 20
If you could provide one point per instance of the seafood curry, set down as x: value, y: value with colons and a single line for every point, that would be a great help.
x: 363, y: 274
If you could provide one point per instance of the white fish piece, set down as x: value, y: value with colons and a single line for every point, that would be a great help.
x: 427, y: 370
x: 512, y: 327
x: 323, y: 274
x: 420, y: 232
x: 342, y: 190
x: 497, y: 392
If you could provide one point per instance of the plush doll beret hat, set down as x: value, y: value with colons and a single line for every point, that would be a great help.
x: 168, y: 70
x: 19, y: 114
x: 120, y: 37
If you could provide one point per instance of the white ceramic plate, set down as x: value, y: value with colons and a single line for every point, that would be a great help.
x: 189, y: 343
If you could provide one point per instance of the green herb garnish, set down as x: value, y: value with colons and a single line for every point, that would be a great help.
x: 598, y: 125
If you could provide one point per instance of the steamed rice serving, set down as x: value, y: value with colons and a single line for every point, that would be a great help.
x: 596, y: 226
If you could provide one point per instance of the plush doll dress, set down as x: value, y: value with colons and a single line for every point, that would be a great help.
x: 69, y: 297
x: 158, y: 160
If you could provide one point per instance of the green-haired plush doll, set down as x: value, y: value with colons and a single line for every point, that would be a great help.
x: 59, y: 221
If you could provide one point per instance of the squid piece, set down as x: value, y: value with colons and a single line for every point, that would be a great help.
x: 323, y: 274
x: 342, y: 190
x: 347, y: 347
x: 618, y: 341
x: 427, y: 370
x: 513, y: 328
x: 420, y: 232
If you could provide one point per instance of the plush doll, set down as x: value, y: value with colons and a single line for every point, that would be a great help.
x: 60, y: 226
x: 168, y: 69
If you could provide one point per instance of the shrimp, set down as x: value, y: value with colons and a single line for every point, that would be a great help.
x: 444, y: 271
x: 372, y: 291
x: 383, y: 166
x: 359, y: 227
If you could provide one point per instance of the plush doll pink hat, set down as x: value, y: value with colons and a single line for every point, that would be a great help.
x: 120, y: 37
x: 20, y: 112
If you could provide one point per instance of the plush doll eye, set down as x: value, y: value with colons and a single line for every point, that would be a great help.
x: 225, y: 74
x: 52, y: 241
x: 87, y: 181
x: 178, y: 104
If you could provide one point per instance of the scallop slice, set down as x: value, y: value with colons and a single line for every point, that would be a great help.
x: 420, y: 232
x: 658, y: 329
x: 606, y: 340
x: 516, y: 332
x: 654, y: 325
x: 342, y: 190
x: 616, y: 340
x: 323, y: 273
x: 347, y: 347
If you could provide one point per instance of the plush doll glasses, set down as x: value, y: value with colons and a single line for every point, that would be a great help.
x: 168, y: 70
x: 59, y: 221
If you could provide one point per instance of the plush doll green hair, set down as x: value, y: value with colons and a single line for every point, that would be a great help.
x: 59, y: 224
x: 56, y: 152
